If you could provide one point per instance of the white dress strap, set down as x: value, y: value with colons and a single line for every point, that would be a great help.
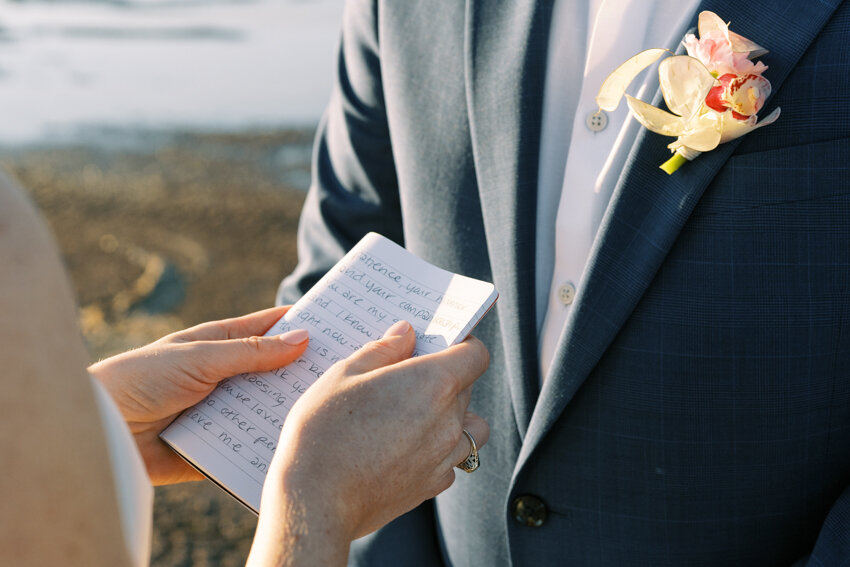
x: 133, y: 487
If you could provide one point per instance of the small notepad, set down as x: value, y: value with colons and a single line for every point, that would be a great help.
x: 232, y: 434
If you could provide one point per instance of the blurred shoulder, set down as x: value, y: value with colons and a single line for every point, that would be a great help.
x: 25, y: 241
x: 51, y: 435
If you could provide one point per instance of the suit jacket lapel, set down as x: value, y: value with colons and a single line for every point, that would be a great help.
x: 649, y: 208
x: 505, y: 65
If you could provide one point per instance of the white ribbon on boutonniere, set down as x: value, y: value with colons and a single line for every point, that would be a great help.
x: 714, y: 92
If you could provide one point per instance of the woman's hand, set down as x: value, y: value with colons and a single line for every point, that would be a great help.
x: 153, y: 384
x: 374, y: 437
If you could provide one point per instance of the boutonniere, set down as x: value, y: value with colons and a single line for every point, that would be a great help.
x: 714, y: 92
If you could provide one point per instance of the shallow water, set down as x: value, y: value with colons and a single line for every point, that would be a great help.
x: 71, y: 69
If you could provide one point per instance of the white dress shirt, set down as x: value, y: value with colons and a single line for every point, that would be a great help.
x: 582, y: 154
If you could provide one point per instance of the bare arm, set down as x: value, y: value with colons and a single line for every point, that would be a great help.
x: 373, y: 438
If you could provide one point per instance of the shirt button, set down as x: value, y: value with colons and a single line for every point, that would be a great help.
x: 596, y: 120
x: 529, y: 511
x: 566, y: 293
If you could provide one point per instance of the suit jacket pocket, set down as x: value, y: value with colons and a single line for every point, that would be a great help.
x: 784, y: 176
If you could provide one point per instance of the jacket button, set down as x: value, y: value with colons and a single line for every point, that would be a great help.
x: 529, y: 511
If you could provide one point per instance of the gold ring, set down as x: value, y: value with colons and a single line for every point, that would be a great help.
x: 471, y: 462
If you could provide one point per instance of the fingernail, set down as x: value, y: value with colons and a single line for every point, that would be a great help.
x: 399, y: 329
x: 294, y: 338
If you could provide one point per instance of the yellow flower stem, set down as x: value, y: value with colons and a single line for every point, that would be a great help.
x: 674, y: 163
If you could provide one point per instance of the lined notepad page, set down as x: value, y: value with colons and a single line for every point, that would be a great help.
x: 232, y: 434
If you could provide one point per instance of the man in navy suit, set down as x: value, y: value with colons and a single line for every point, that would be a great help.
x: 694, y: 408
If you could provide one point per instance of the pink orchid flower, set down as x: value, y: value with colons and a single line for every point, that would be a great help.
x: 722, y: 51
x: 744, y: 95
x: 714, y: 93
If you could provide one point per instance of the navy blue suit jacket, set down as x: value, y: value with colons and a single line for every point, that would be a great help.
x: 699, y: 408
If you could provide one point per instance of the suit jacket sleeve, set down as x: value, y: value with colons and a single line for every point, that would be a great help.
x: 354, y: 187
x: 355, y: 191
x: 833, y: 543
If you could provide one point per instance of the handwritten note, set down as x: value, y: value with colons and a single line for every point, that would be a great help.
x: 231, y: 436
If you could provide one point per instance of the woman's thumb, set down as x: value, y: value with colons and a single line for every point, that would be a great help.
x: 251, y: 354
x: 396, y: 345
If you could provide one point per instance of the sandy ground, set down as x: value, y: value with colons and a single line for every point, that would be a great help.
x: 163, y: 231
